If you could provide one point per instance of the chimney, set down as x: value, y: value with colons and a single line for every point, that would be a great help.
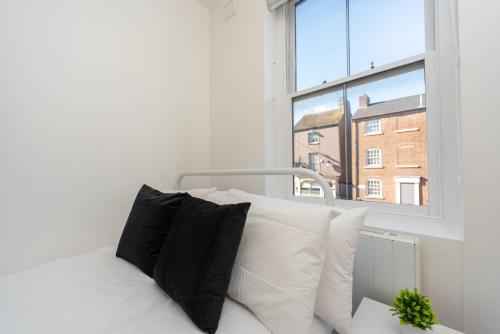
x: 364, y: 101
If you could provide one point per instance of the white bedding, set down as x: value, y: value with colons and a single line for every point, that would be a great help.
x: 99, y: 293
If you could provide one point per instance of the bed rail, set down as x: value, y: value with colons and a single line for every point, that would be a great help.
x: 274, y: 171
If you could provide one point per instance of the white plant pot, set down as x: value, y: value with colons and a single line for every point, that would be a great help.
x: 409, y: 329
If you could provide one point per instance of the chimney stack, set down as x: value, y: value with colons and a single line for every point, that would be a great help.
x: 364, y: 101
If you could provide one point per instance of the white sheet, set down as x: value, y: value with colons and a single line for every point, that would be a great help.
x: 99, y: 293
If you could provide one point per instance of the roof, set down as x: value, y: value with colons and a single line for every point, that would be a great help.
x: 409, y: 103
x: 320, y: 120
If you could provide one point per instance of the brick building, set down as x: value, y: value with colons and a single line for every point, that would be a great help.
x: 319, y: 145
x: 389, y: 151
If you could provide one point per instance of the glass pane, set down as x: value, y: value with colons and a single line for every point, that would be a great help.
x: 324, y: 115
x: 320, y: 42
x: 385, y: 31
x: 396, y: 154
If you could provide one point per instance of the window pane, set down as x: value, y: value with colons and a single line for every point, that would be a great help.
x: 324, y: 115
x: 320, y: 42
x: 398, y: 153
x: 385, y: 31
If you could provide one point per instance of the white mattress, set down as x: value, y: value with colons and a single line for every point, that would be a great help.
x: 99, y: 293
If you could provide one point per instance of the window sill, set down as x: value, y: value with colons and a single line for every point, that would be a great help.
x: 374, y: 167
x: 407, y: 130
x: 414, y: 225
x: 412, y: 220
x: 375, y: 197
x: 407, y: 166
x: 374, y: 134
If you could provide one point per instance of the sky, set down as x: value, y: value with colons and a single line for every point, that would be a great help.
x: 380, y: 32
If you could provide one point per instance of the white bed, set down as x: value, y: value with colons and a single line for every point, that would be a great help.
x: 99, y: 293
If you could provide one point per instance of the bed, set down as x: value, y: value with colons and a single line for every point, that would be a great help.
x: 100, y: 293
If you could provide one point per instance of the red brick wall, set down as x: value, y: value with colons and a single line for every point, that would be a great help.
x: 399, y: 151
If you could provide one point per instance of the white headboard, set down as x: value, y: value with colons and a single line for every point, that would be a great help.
x: 274, y: 171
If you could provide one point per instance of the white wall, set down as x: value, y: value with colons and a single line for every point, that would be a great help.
x: 238, y: 91
x: 480, y: 54
x: 96, y: 98
x: 441, y: 262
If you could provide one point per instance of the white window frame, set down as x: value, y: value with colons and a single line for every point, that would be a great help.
x: 369, y: 123
x: 444, y: 216
x: 374, y: 196
x: 367, y: 158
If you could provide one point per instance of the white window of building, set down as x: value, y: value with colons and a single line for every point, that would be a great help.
x: 374, y: 188
x: 314, y: 161
x: 313, y: 138
x: 374, y: 157
x: 372, y: 127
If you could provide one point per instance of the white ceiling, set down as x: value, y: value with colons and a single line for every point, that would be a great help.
x: 206, y: 3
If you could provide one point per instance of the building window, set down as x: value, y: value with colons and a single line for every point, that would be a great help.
x: 374, y: 157
x: 352, y: 85
x: 310, y: 189
x: 372, y: 127
x: 374, y: 188
x: 313, y: 138
x: 314, y: 161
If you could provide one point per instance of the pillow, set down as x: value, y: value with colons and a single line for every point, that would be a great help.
x: 278, y: 267
x: 195, y: 263
x: 202, y: 193
x: 334, y: 301
x: 146, y: 227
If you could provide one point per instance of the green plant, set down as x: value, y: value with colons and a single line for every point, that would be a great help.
x: 414, y: 309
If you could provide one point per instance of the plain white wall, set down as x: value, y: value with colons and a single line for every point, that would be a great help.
x: 480, y: 55
x: 97, y: 97
x: 237, y: 91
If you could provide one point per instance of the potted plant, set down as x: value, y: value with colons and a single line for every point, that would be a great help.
x: 414, y: 312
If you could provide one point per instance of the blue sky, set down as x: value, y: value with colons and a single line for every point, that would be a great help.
x: 381, y: 31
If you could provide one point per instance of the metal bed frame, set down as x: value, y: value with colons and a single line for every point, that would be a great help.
x: 267, y: 172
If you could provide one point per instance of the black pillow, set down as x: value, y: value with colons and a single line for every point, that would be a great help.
x: 195, y: 263
x: 147, y: 225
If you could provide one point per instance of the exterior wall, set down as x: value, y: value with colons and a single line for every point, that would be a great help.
x: 332, y: 153
x: 329, y: 150
x: 400, y: 150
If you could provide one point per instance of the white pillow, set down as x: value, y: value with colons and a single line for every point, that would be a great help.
x: 279, y: 262
x: 334, y: 301
x: 202, y: 193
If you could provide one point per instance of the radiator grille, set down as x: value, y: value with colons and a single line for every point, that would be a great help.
x: 384, y: 264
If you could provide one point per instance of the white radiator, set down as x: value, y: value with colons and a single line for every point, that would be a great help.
x: 384, y: 264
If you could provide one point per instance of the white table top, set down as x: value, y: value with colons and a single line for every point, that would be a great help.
x: 375, y: 318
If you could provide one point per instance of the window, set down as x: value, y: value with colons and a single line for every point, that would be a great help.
x: 373, y: 158
x: 347, y: 83
x: 372, y: 127
x: 314, y: 161
x: 354, y: 67
x: 313, y: 138
x: 310, y: 189
x: 374, y: 188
